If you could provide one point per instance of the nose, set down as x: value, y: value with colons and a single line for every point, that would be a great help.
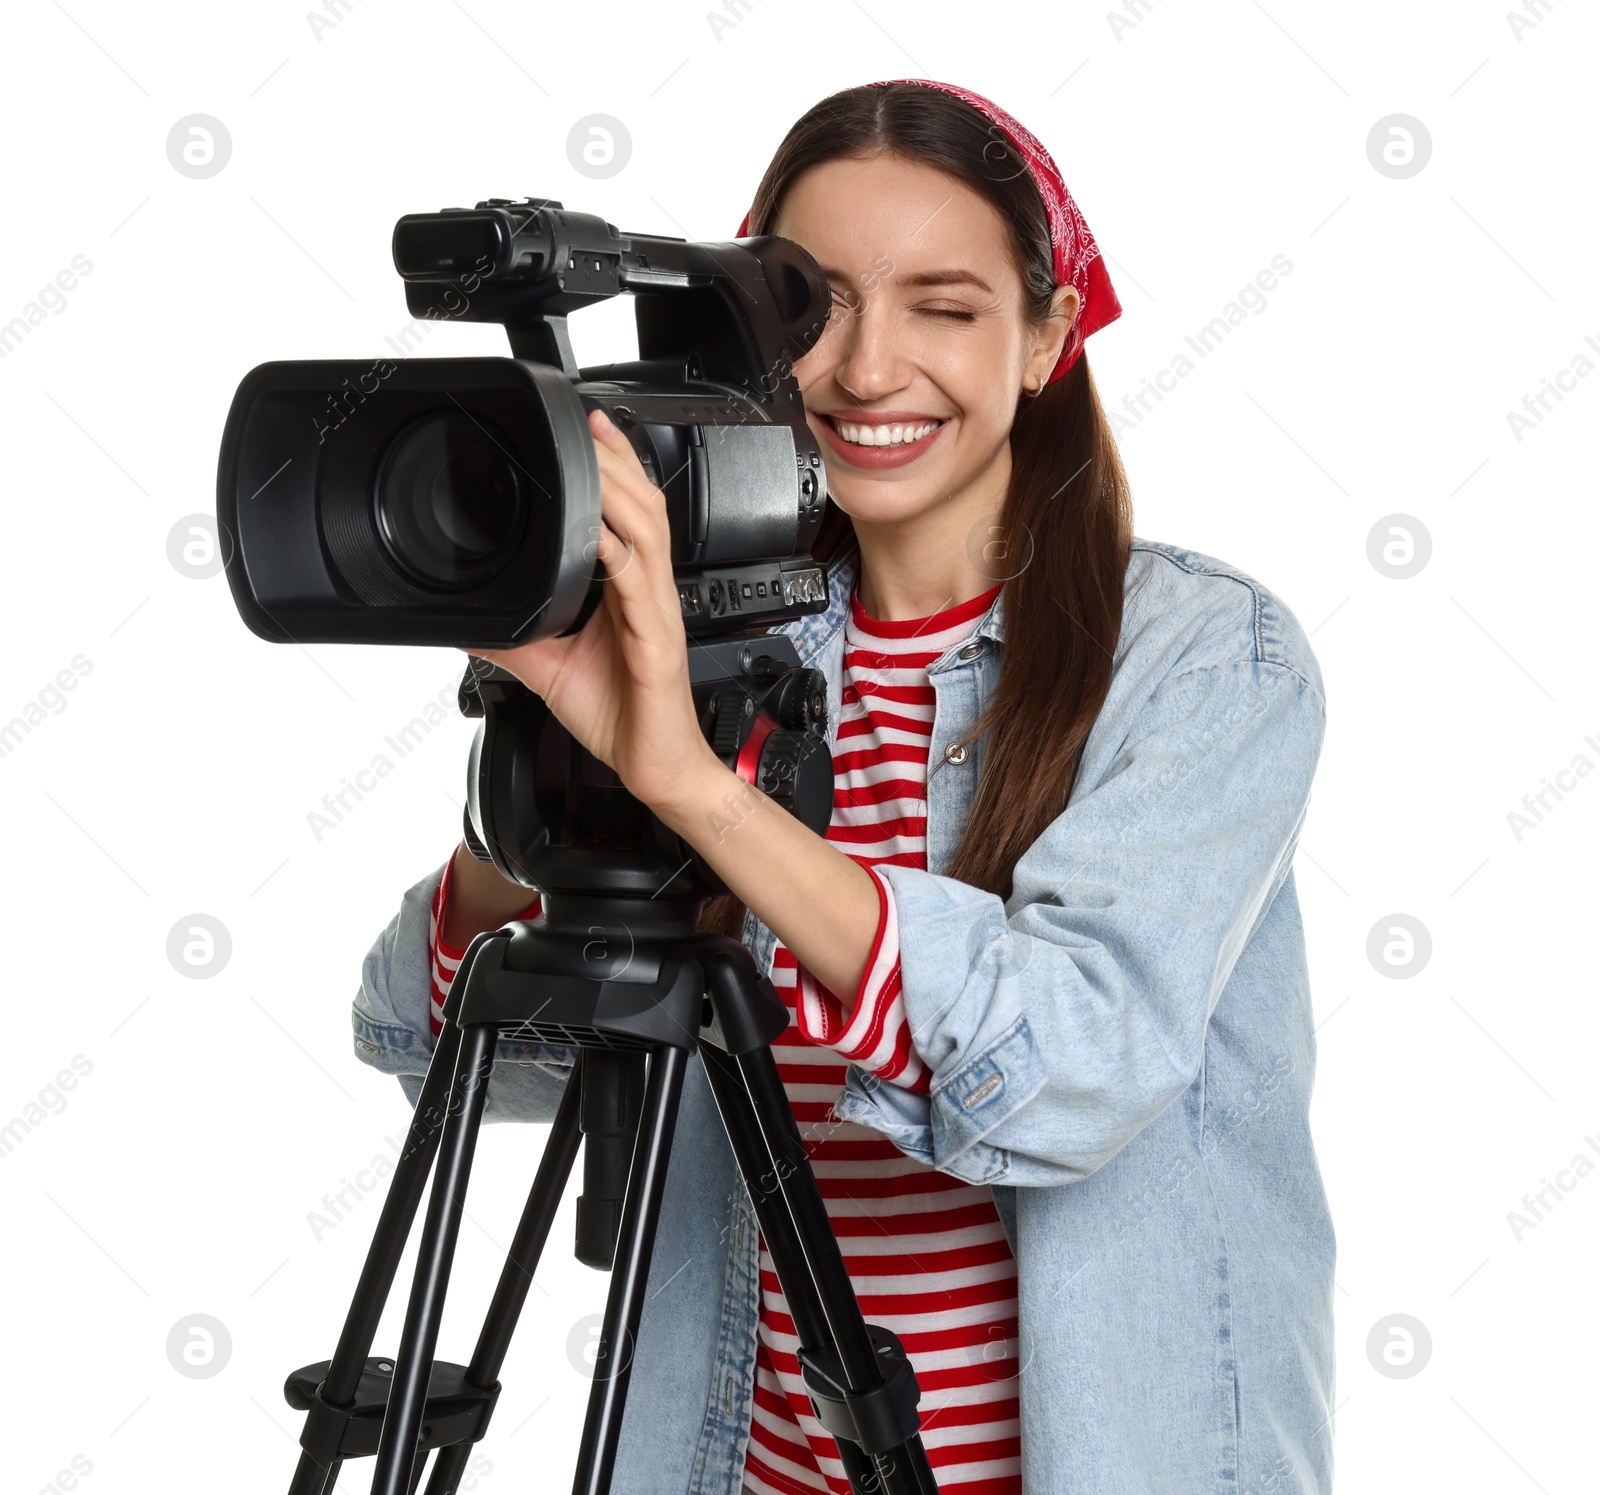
x: 871, y: 359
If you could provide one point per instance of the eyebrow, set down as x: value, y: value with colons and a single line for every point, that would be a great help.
x: 928, y: 278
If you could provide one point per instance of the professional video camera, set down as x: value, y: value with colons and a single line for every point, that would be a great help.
x: 457, y: 501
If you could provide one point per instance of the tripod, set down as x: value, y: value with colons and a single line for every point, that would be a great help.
x: 639, y: 1004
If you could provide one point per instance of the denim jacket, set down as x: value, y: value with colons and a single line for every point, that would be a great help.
x: 1122, y: 1049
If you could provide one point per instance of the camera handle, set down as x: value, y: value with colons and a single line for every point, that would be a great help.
x: 669, y: 994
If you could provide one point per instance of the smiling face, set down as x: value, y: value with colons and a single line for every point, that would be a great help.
x: 913, y: 386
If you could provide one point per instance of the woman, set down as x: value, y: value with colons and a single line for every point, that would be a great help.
x: 1051, y: 1039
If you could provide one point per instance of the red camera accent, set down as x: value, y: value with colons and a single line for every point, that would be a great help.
x: 750, y: 754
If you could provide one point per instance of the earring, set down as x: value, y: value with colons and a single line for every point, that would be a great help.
x: 1032, y: 390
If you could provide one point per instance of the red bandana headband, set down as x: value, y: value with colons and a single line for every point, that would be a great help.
x: 1076, y: 256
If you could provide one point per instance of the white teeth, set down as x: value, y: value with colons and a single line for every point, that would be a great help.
x: 897, y: 435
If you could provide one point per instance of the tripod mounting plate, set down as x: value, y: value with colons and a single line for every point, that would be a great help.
x: 613, y: 990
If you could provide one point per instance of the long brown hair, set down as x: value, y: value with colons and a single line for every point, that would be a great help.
x: 1067, y: 519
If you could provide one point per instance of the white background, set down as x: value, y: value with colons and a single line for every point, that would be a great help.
x: 177, y: 779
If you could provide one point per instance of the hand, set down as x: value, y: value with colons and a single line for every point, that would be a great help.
x: 620, y: 685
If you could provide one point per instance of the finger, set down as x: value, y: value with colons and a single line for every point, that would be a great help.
x: 634, y: 514
x: 628, y: 580
x: 621, y: 468
x: 637, y: 516
x: 642, y: 604
x: 624, y: 471
x: 602, y: 425
x: 614, y: 550
x: 605, y: 430
x: 537, y: 664
x: 610, y: 442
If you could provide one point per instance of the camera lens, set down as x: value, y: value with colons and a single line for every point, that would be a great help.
x: 451, y: 503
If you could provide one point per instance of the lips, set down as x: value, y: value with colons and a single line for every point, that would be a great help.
x: 874, y: 457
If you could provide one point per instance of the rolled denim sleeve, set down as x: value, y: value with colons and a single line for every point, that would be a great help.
x: 390, y: 1027
x: 1061, y: 1021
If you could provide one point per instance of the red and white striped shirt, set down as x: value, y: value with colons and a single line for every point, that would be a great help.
x: 926, y: 1252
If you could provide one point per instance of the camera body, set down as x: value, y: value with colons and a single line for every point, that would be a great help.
x: 456, y: 501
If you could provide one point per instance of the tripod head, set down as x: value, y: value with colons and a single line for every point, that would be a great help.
x: 550, y: 815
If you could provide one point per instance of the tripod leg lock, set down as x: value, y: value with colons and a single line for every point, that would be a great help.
x: 877, y: 1421
x: 456, y: 1412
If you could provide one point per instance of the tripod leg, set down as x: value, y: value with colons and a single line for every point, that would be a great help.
x: 788, y: 1260
x: 383, y: 1256
x: 805, y: 1252
x: 414, y: 1363
x: 641, y: 1209
x: 756, y: 1164
x: 516, y: 1277
x: 905, y: 1469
